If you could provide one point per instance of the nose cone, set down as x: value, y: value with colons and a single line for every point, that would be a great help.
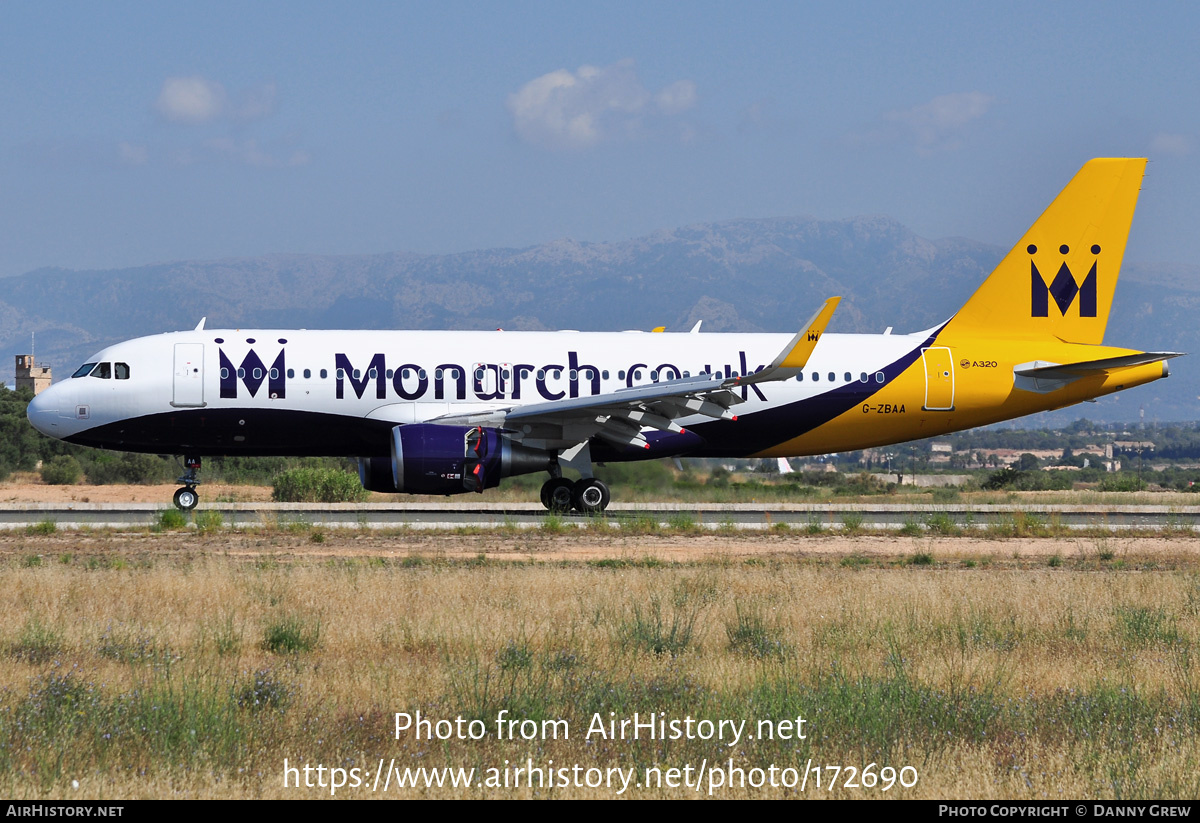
x: 43, y: 412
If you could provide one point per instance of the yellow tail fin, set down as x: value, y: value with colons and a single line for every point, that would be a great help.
x: 1059, y: 280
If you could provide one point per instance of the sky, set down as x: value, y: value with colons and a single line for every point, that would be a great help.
x: 136, y: 133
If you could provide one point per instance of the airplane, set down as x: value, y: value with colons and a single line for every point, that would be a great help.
x: 448, y: 412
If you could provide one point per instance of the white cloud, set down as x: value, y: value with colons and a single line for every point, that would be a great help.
x: 191, y: 100
x: 248, y: 152
x: 939, y: 125
x: 198, y: 101
x: 677, y: 97
x: 195, y: 100
x: 256, y: 103
x: 1171, y: 145
x: 565, y: 110
x: 133, y: 154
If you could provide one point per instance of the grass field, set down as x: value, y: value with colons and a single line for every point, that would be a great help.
x: 193, y: 665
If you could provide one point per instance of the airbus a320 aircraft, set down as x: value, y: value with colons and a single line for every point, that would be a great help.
x: 450, y: 412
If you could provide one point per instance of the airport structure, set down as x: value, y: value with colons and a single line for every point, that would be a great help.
x: 30, y: 376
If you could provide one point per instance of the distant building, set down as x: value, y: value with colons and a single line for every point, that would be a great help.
x: 29, y: 376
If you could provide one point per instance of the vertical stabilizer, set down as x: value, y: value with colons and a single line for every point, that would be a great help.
x: 1058, y: 281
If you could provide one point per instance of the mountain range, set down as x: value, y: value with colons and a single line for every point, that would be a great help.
x: 738, y: 275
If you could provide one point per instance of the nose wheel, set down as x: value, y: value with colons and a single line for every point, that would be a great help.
x: 185, y: 499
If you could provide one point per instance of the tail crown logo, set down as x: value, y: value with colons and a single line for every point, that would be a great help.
x: 1063, y: 288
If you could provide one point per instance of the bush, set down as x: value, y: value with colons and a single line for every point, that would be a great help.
x: 103, y: 468
x: 291, y: 635
x: 312, y: 485
x: 63, y: 470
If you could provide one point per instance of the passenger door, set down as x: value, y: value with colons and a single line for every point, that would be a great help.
x: 189, y: 375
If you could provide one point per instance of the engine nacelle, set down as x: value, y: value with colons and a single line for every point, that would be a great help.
x: 427, y: 458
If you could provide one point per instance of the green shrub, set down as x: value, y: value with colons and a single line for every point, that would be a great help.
x: 749, y: 634
x: 316, y: 485
x: 291, y: 635
x: 63, y: 470
x: 42, y: 527
x: 208, y: 522
x: 170, y: 520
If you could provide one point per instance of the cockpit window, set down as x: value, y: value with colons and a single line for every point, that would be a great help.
x: 102, y: 370
x: 84, y: 370
x: 121, y: 371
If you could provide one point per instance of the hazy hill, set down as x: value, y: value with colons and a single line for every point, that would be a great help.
x: 740, y: 275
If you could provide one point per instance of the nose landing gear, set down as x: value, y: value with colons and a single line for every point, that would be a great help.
x: 185, y: 499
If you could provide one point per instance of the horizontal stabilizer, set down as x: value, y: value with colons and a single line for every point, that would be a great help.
x: 1070, y: 371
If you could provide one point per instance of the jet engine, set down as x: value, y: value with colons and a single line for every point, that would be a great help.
x: 427, y: 458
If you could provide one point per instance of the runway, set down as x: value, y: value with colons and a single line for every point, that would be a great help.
x: 712, y: 516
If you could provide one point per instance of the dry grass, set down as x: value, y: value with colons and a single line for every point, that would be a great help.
x: 144, y: 666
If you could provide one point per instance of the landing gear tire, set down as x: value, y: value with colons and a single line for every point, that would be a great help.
x: 186, y: 498
x: 557, y: 494
x: 589, y: 496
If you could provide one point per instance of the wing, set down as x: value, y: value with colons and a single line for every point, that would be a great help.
x: 619, y: 417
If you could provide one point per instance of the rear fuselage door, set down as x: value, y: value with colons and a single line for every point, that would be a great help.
x: 189, y: 375
x: 939, y: 379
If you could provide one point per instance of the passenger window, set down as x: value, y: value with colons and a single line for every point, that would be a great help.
x: 121, y: 371
x: 258, y: 373
x: 832, y: 377
x: 878, y: 377
x: 84, y: 370
x: 103, y: 371
x: 372, y: 374
x: 325, y: 373
x: 848, y: 377
x: 816, y: 377
x: 862, y: 378
x: 421, y: 374
x: 274, y: 374
x: 800, y: 377
x: 291, y: 373
x: 621, y: 374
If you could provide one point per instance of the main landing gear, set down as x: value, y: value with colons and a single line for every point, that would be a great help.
x: 187, y: 497
x: 587, y: 495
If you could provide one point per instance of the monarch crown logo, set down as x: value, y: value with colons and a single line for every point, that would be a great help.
x: 1063, y: 288
x: 251, y: 374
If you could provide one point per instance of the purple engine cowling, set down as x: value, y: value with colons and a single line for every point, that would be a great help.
x: 427, y: 458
